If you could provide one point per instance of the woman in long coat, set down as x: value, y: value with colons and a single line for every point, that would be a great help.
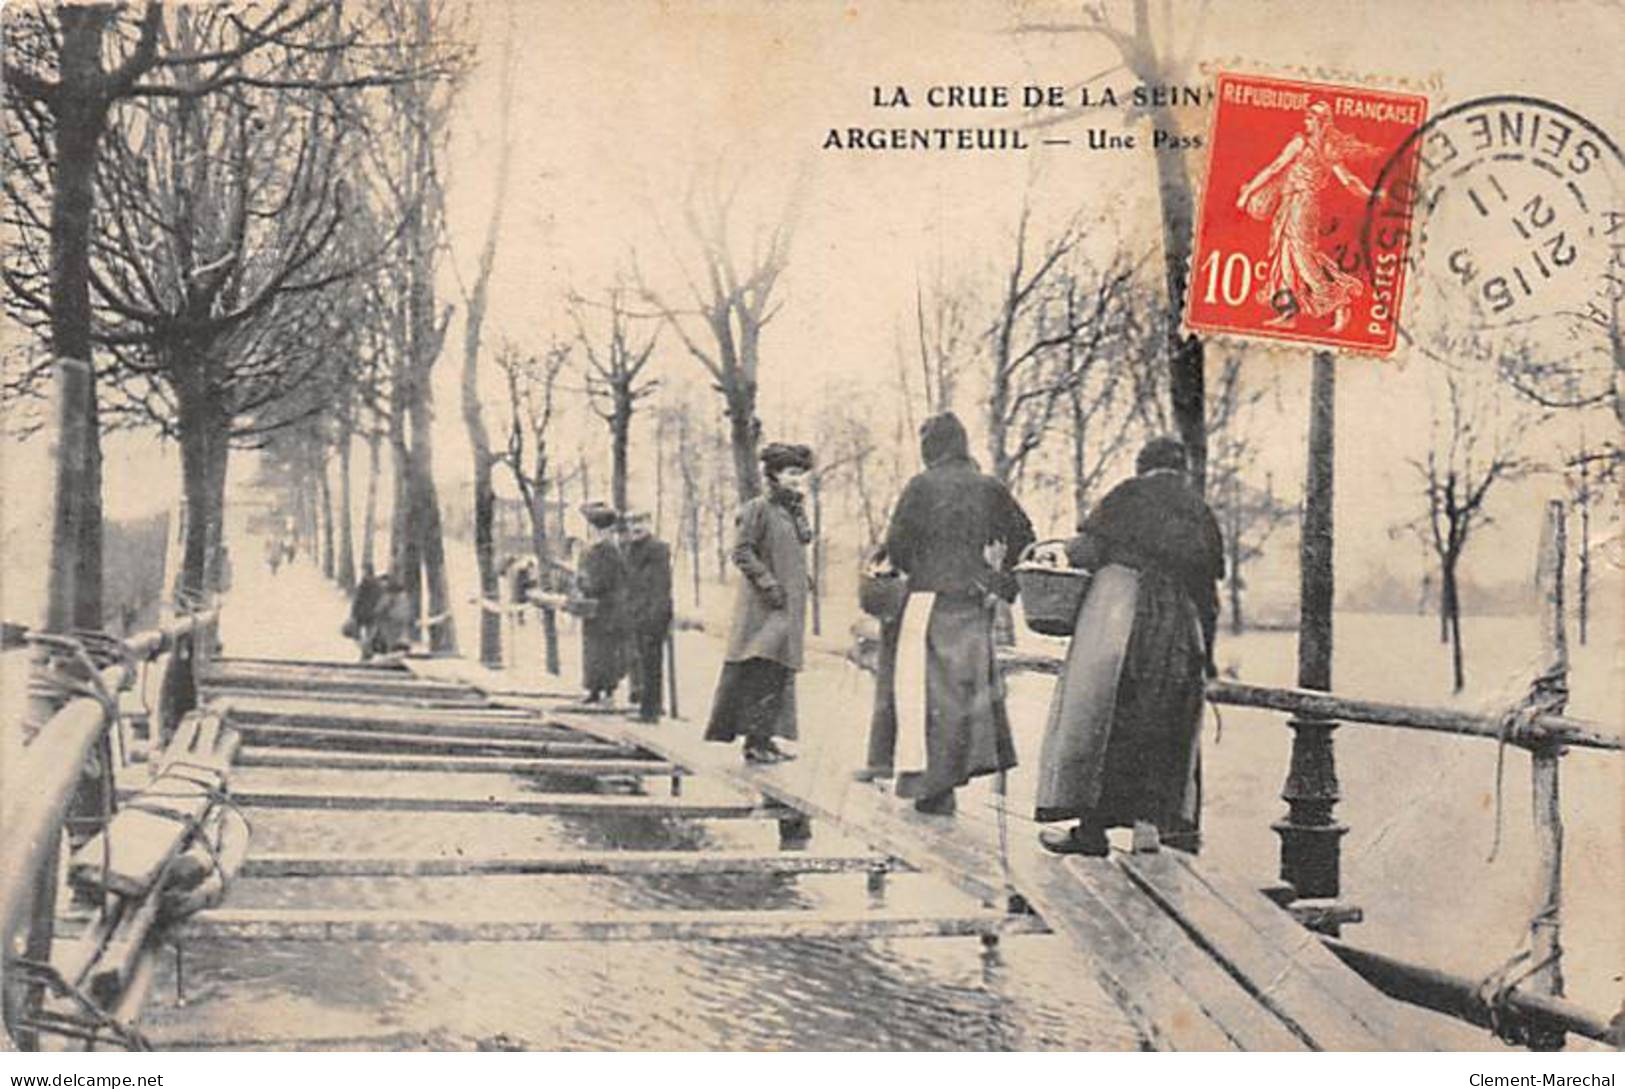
x: 602, y: 579
x: 956, y: 534
x: 756, y: 695
x: 1121, y: 747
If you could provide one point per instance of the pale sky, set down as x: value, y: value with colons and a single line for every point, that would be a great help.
x: 615, y: 103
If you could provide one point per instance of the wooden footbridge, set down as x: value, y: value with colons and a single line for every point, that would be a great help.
x: 1195, y: 959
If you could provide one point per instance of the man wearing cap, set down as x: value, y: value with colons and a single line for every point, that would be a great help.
x: 648, y: 610
x: 756, y: 694
x: 602, y: 580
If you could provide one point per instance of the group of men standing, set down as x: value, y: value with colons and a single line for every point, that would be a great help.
x: 625, y: 575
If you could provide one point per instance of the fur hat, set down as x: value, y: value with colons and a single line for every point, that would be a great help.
x: 779, y: 456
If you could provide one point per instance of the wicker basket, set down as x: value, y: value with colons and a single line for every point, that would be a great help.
x: 882, y: 596
x: 1050, y: 596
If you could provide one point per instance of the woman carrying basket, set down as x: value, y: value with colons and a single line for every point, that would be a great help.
x: 1121, y: 745
x: 956, y: 534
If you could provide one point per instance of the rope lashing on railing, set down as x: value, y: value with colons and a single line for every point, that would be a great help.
x: 1496, y: 988
x: 91, y: 1021
x: 1548, y: 694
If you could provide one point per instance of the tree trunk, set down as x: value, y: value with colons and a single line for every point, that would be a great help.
x: 203, y: 443
x: 743, y: 435
x: 1585, y: 563
x: 369, y: 518
x: 694, y: 548
x: 1450, y: 592
x: 817, y: 555
x: 427, y: 527
x: 544, y: 559
x: 660, y: 473
x: 1186, y: 378
x: 324, y: 518
x: 74, y: 590
x: 1080, y: 487
x: 620, y: 433
x: 346, y: 562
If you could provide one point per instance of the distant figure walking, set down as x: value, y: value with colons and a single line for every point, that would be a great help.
x: 756, y: 694
x: 1121, y: 745
x: 392, y: 617
x: 602, y: 580
x: 648, y: 611
x: 956, y: 533
x: 364, y: 610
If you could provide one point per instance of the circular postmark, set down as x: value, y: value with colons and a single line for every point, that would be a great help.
x: 1503, y: 220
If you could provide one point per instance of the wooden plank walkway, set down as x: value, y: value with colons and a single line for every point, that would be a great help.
x: 1197, y: 960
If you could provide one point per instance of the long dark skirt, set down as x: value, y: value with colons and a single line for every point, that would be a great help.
x: 603, y: 652
x: 1135, y: 756
x: 755, y: 698
x: 967, y: 732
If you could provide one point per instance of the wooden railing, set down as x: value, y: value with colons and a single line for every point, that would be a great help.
x: 48, y: 774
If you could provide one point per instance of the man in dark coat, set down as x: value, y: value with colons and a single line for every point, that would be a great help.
x: 756, y: 694
x: 648, y: 610
x: 602, y: 580
x: 956, y: 533
x: 363, y: 609
x: 1121, y: 747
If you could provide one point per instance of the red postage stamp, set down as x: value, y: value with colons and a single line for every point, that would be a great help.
x: 1280, y: 235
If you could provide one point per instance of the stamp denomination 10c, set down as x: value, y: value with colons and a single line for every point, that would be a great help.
x: 1278, y: 253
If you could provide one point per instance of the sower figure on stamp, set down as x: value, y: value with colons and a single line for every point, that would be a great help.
x: 1121, y: 747
x: 602, y: 580
x: 1287, y: 192
x: 756, y: 695
x: 956, y: 534
x: 648, y: 610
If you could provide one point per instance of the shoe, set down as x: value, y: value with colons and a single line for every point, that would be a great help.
x: 778, y: 754
x: 869, y: 775
x: 1075, y: 841
x: 937, y: 805
x: 648, y: 719
x: 759, y: 755
x: 591, y: 698
x: 1147, y: 840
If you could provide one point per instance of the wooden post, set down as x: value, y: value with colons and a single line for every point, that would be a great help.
x: 671, y: 674
x: 1551, y: 691
x: 1311, y: 838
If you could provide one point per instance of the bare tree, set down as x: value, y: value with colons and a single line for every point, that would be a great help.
x: 942, y: 320
x: 531, y: 383
x: 61, y: 99
x: 479, y: 437
x: 730, y: 303
x: 614, y: 372
x: 1473, y: 445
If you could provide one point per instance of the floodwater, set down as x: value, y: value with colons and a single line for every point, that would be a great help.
x: 1424, y: 811
x: 914, y: 994
x: 789, y: 993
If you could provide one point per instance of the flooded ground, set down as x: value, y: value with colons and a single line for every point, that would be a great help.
x: 1421, y: 810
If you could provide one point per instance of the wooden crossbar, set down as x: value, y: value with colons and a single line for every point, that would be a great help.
x: 583, y: 805
x: 400, y: 721
x: 361, y: 761
x: 458, y: 926
x: 282, y: 735
x: 619, y: 863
